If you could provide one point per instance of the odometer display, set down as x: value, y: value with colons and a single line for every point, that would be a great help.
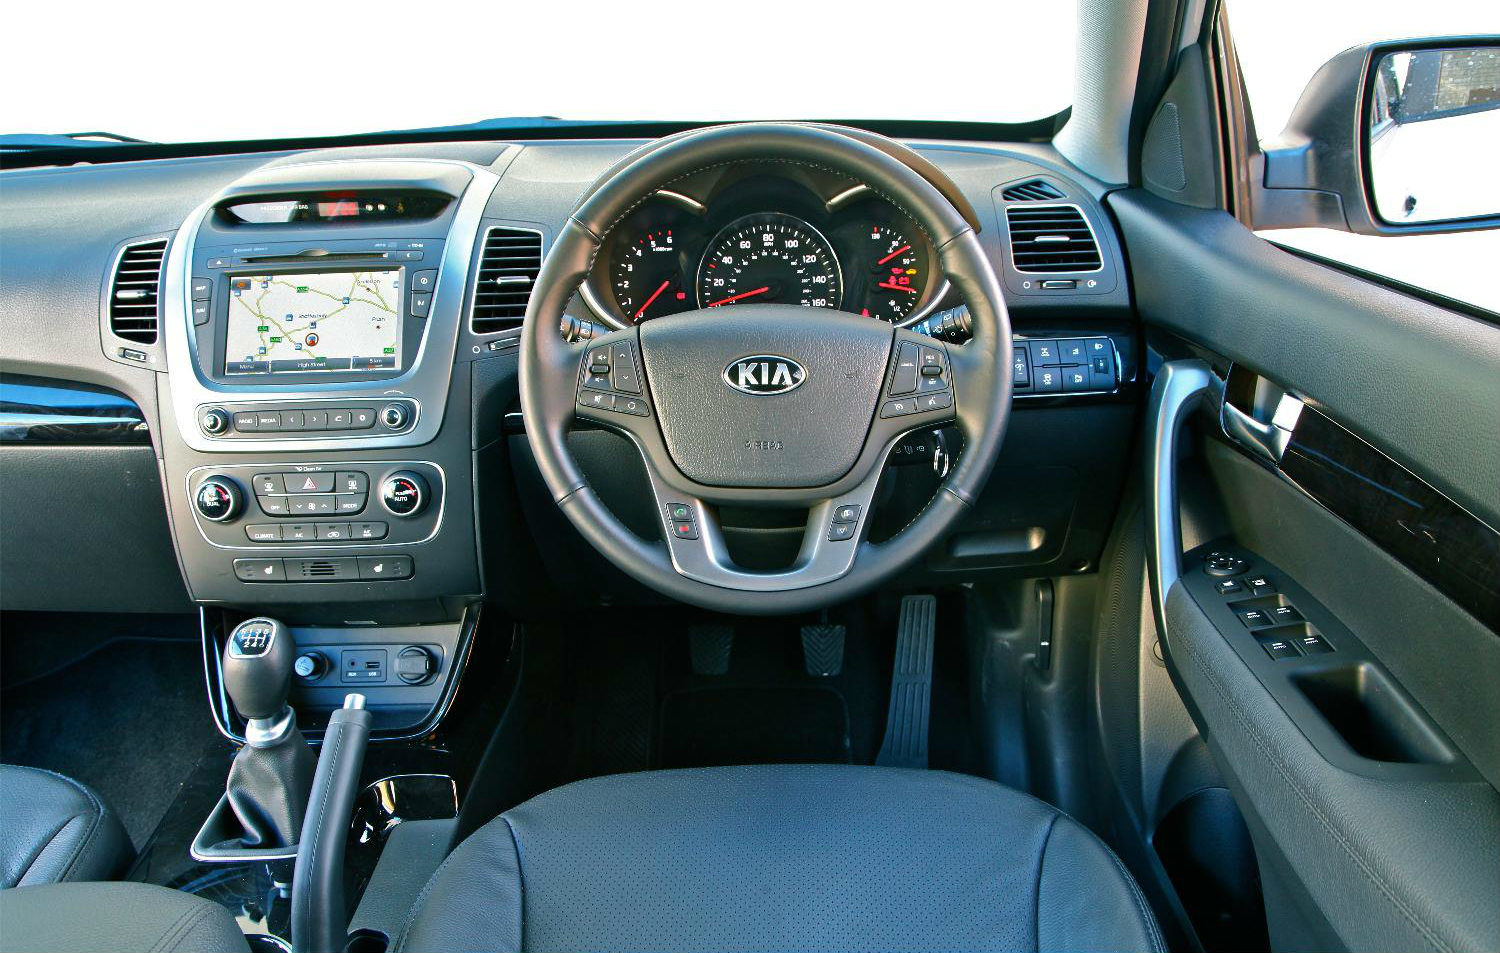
x: 770, y: 258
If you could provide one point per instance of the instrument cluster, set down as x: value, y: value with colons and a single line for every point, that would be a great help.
x: 753, y: 234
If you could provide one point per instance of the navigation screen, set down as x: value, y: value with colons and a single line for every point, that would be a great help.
x: 310, y: 322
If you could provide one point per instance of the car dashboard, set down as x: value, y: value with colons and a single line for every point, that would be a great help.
x: 317, y: 356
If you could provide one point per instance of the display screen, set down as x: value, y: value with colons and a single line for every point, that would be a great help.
x: 313, y: 322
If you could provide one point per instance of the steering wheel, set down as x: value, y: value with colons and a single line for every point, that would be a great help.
x: 765, y: 404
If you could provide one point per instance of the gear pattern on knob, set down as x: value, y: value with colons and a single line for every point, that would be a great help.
x: 252, y: 639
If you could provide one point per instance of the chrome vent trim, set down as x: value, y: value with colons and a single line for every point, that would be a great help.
x: 508, y: 265
x: 135, y: 292
x: 1052, y: 239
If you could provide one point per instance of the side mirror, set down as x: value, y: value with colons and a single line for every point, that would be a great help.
x: 1388, y: 139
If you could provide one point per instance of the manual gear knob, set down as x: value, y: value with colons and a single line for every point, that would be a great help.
x: 258, y: 667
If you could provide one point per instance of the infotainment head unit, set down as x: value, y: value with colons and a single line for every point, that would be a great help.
x: 300, y: 322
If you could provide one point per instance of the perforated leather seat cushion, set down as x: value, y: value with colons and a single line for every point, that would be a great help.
x: 804, y: 857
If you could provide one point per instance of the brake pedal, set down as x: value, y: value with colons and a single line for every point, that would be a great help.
x: 710, y: 647
x: 823, y: 648
x: 910, y: 713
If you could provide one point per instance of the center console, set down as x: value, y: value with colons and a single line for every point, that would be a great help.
x: 316, y: 445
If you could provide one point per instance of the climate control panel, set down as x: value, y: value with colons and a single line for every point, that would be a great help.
x: 269, y: 506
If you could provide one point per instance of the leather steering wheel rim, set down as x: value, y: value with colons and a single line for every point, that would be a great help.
x: 979, y: 370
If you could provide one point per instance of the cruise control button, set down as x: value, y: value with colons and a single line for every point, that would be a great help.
x: 940, y: 401
x: 904, y: 380
x: 308, y: 482
x: 259, y: 570
x: 625, y: 377
x: 899, y: 407
x: 386, y: 567
x: 263, y: 532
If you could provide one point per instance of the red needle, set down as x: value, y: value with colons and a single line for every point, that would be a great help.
x: 743, y: 294
x: 653, y: 297
x: 893, y: 287
x: 893, y: 254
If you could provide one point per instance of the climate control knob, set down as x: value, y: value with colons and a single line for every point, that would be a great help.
x: 219, y: 498
x: 403, y: 493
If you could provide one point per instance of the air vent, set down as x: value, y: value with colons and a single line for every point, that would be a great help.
x: 134, y: 290
x: 1051, y: 239
x: 1036, y: 190
x: 508, y: 268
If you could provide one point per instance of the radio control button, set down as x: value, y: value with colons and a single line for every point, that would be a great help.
x: 202, y: 289
x: 214, y: 421
x: 247, y: 422
x: 316, y: 420
x: 421, y: 304
x: 293, y: 420
x: 361, y: 418
x: 424, y: 280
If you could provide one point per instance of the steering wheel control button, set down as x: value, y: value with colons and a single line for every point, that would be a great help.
x: 386, y: 567
x: 904, y: 379
x: 259, y: 570
x: 685, y: 530
x: 839, y: 532
x: 635, y: 406
x: 940, y: 401
x: 679, y: 512
x: 596, y: 399
x: 680, y: 518
x: 218, y: 498
x: 404, y: 494
x: 899, y: 407
x: 848, y: 513
x: 1223, y: 564
x: 625, y: 377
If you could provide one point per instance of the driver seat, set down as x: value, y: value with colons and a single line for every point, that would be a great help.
x: 782, y: 857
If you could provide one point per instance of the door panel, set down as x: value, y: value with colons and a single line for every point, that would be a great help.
x: 1367, y: 776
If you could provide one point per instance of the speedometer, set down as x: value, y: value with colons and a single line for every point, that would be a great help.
x: 770, y: 257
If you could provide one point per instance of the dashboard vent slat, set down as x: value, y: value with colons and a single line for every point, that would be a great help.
x: 1052, y: 239
x: 508, y: 267
x: 135, y: 290
x: 1037, y: 190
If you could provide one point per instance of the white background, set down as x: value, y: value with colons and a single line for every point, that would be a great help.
x: 178, y: 71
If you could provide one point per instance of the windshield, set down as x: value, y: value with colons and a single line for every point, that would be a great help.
x: 192, y: 72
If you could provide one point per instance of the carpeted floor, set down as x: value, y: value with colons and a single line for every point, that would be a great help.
x: 129, y: 718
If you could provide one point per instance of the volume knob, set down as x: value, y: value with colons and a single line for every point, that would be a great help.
x: 214, y: 421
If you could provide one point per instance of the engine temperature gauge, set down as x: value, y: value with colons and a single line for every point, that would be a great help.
x: 897, y: 274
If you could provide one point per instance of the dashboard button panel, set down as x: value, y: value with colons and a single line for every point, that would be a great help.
x: 302, y: 419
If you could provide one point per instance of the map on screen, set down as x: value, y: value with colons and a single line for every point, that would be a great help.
x: 312, y: 322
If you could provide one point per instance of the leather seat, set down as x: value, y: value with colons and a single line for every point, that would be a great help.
x: 53, y: 829
x: 804, y: 857
x: 125, y: 917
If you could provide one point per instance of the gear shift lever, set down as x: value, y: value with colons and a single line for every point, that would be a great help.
x: 272, y: 774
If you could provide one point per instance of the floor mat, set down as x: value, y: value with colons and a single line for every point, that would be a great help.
x: 776, y: 725
x: 130, y: 720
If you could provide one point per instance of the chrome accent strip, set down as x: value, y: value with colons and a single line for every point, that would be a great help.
x: 425, y: 381
x: 269, y: 732
x: 1178, y: 388
x: 1267, y: 441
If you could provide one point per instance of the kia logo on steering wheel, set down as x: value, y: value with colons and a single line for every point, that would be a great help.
x: 762, y: 375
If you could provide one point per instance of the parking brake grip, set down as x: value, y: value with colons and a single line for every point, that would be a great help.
x: 272, y: 774
x: 320, y: 915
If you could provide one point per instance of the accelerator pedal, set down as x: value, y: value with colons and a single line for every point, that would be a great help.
x: 710, y: 647
x: 910, y: 712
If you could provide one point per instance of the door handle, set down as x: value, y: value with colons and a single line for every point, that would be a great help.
x: 1266, y: 440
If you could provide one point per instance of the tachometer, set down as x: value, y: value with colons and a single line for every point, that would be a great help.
x: 647, y: 277
x: 770, y: 257
x: 897, y: 274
